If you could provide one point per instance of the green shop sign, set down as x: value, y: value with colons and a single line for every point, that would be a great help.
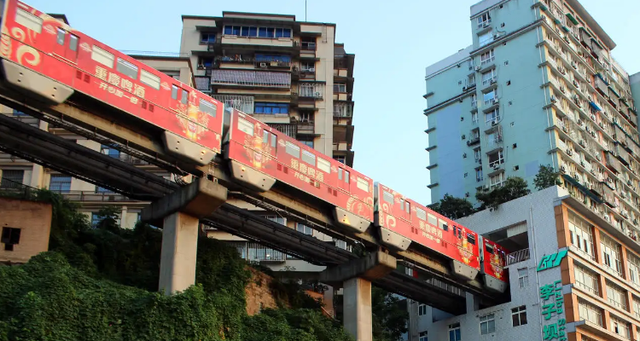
x: 551, y: 294
x: 551, y: 261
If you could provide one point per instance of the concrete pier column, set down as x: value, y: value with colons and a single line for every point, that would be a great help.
x: 355, y: 278
x: 357, y: 309
x: 178, y: 255
x: 179, y: 216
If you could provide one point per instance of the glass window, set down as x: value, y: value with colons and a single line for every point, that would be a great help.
x: 308, y: 157
x: 245, y: 126
x: 103, y: 57
x: 60, y: 36
x: 292, y: 149
x: 150, y: 79
x: 28, y: 20
x: 60, y: 183
x: 324, y: 166
x: 363, y: 184
x: 519, y: 316
x: 127, y: 68
x: 487, y: 324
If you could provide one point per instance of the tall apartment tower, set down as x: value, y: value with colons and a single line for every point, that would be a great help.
x: 289, y: 74
x: 537, y: 87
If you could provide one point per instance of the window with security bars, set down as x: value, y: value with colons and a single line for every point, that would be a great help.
x: 11, y: 178
x: 519, y: 316
x: 60, y: 183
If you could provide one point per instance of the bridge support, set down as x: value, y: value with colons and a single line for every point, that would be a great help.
x: 355, y: 277
x: 179, y: 215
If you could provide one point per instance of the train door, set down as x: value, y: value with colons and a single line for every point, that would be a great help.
x: 59, y: 46
x: 344, y: 179
x: 71, y: 52
x: 269, y: 143
x: 66, y: 45
x: 405, y: 206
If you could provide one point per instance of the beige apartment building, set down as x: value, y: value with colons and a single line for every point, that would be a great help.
x: 291, y: 75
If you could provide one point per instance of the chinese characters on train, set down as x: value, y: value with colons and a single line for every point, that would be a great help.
x: 431, y: 232
x: 112, y: 80
x: 553, y: 306
x: 306, y: 173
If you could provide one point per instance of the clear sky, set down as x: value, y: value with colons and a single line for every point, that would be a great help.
x: 393, y: 42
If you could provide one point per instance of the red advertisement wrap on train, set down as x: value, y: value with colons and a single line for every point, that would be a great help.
x: 426, y: 227
x: 494, y: 257
x: 269, y: 151
x: 36, y: 41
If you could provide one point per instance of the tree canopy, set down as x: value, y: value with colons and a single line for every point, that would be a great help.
x: 513, y: 188
x: 546, y: 177
x: 453, y: 207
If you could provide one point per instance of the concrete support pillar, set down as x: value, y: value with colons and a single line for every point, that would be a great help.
x: 357, y: 309
x: 179, y: 250
x: 355, y: 277
x: 179, y: 216
x: 471, y: 303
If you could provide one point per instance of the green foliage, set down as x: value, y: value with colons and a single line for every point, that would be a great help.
x: 546, y: 177
x: 513, y: 188
x: 101, y: 284
x: 390, y: 316
x: 452, y: 207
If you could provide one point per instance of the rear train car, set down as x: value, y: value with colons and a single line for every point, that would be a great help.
x: 50, y: 61
x: 493, y: 266
x: 260, y: 155
x: 402, y: 221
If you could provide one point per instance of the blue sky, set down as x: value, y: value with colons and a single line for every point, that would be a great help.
x: 393, y: 42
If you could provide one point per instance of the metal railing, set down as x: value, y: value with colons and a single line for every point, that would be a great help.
x: 84, y: 196
x: 518, y: 256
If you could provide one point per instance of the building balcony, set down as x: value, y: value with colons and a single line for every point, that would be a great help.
x: 251, y: 78
x: 290, y: 130
x: 238, y: 102
x: 343, y: 109
x: 264, y: 44
x: 518, y: 256
x: 343, y: 153
x: 312, y: 90
x: 343, y: 133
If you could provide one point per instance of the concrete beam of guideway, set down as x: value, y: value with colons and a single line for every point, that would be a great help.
x: 357, y: 276
x: 179, y: 214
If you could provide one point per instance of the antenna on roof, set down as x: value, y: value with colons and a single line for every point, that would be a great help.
x: 305, y: 10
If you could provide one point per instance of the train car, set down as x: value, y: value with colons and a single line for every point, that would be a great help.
x: 259, y: 155
x: 493, y: 266
x: 52, y: 61
x: 402, y: 221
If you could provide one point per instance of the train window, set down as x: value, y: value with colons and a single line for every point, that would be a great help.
x: 174, y: 92
x: 127, y: 69
x: 407, y: 207
x: 471, y: 239
x: 150, y: 79
x: 265, y: 136
x: 101, y: 56
x: 443, y: 225
x: 292, y: 149
x: 402, y: 204
x: 363, y: 184
x: 308, y: 157
x: 185, y: 96
x: 28, y: 20
x: 73, y: 42
x: 433, y: 220
x: 489, y: 248
x: 207, y: 108
x: 388, y: 197
x: 245, y: 126
x: 274, y: 140
x: 324, y: 165
x: 422, y: 214
x: 339, y: 173
x: 346, y: 176
x: 60, y: 36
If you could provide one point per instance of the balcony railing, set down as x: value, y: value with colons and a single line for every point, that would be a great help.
x: 86, y: 196
x: 518, y: 256
x: 289, y: 129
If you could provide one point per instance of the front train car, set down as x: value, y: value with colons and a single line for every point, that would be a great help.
x: 402, y: 221
x: 493, y: 266
x: 259, y: 155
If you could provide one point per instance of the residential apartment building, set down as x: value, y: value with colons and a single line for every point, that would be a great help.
x: 289, y: 74
x: 538, y: 86
x: 572, y: 274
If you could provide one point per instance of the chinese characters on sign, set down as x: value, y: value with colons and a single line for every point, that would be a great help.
x: 551, y: 261
x: 111, y: 80
x: 553, y: 306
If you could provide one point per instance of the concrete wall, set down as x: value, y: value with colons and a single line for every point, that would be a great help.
x: 34, y: 221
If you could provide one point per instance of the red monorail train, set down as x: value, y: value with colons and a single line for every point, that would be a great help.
x: 52, y: 61
x: 44, y: 55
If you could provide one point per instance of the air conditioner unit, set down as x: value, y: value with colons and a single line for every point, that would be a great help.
x: 486, y: 24
x: 563, y: 169
x: 553, y: 99
x: 263, y: 64
x: 478, y: 68
x: 494, y: 122
x: 606, y: 217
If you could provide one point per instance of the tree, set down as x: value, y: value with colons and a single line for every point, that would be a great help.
x: 452, y: 207
x: 546, y: 177
x: 513, y: 188
x: 390, y: 315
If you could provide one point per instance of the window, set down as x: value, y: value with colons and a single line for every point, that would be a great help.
x: 490, y: 97
x: 126, y: 68
x: 28, y: 20
x: 474, y: 117
x: 497, y: 180
x: 150, y: 79
x: 304, y: 229
x: 487, y: 57
x: 101, y: 56
x: 339, y: 87
x: 519, y: 316
x: 422, y: 214
x: 423, y: 336
x: 205, y: 62
x: 60, y: 36
x: 245, y: 126
x: 346, y: 175
x: 207, y: 37
x: 266, y: 136
x: 620, y: 327
x: 494, y: 139
x: 111, y: 152
x: 324, y: 166
x: 487, y: 324
x: 585, y: 279
x: 363, y: 184
x: 636, y: 307
x: 60, y: 183
x: 474, y: 101
x: 589, y: 312
x: 10, y: 237
x: 271, y: 108
x: 616, y: 296
x: 280, y: 58
x: 254, y: 31
x: 488, y: 77
x: 479, y: 176
x: 308, y: 67
x: 292, y: 149
x: 492, y: 117
x: 581, y: 234
x: 523, y: 277
x: 174, y: 92
x: 185, y: 96
x: 12, y: 178
x: 340, y: 158
x: 485, y: 38
x: 471, y: 239
x: 634, y: 268
x: 454, y: 332
x: 610, y: 253
x: 308, y: 44
x: 484, y: 19
x: 308, y: 157
x: 496, y: 159
x: 422, y: 309
x: 18, y: 113
x: 308, y: 143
